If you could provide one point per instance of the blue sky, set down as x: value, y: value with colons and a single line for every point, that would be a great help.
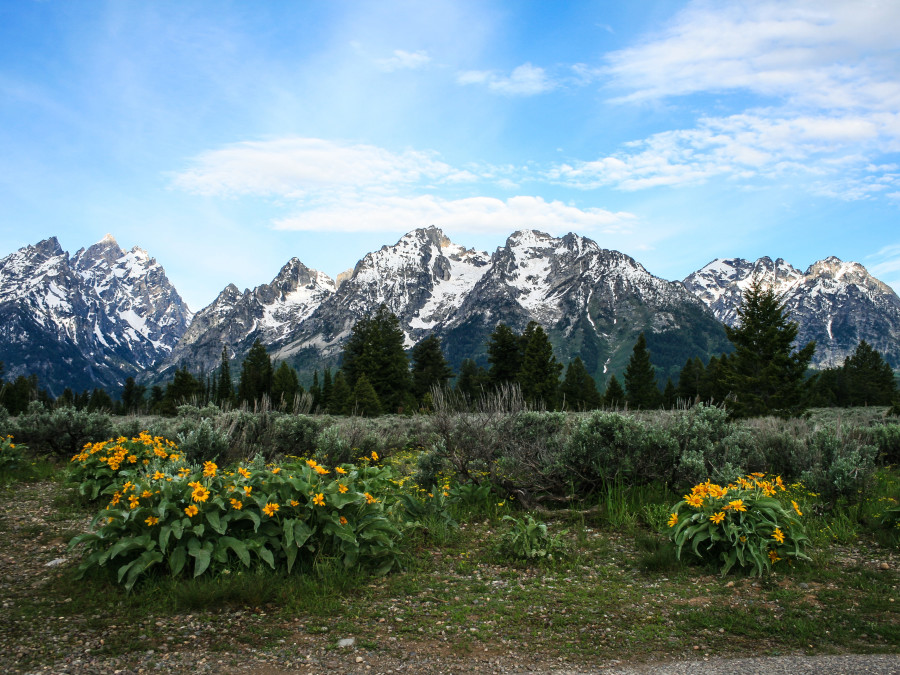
x: 227, y: 137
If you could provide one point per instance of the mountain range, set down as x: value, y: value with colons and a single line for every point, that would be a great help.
x: 97, y: 317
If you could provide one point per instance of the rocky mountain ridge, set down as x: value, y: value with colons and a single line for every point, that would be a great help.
x: 94, y: 318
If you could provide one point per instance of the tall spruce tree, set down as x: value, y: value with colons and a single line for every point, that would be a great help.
x: 132, y: 396
x: 578, y: 390
x: 315, y: 391
x: 338, y: 395
x: 539, y: 373
x: 869, y: 379
x: 285, y: 387
x: 256, y: 375
x: 640, y: 378
x: 363, y: 400
x: 328, y: 389
x: 614, y: 396
x: 375, y: 348
x: 764, y: 375
x: 224, y: 386
x: 429, y: 367
x: 472, y: 380
x: 504, y: 354
x: 690, y: 380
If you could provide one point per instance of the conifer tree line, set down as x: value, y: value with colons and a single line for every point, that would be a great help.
x: 764, y: 375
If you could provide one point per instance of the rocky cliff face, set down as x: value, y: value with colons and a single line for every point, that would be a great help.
x: 88, y: 321
x: 834, y: 303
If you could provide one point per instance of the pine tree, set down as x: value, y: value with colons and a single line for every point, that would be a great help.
x: 339, y: 398
x: 578, y: 390
x: 640, y: 378
x: 429, y: 367
x: 869, y: 379
x: 716, y: 385
x: 364, y: 401
x: 669, y: 395
x: 100, y: 401
x: 375, y: 348
x: 690, y: 380
x: 256, y: 375
x: 132, y: 396
x: 764, y: 376
x: 315, y: 391
x: 183, y: 389
x: 224, y: 387
x: 328, y: 389
x: 504, y: 354
x: 472, y: 380
x: 614, y: 396
x: 285, y: 387
x: 539, y: 373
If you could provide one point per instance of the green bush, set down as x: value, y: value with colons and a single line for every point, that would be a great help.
x: 529, y: 540
x: 295, y: 435
x: 839, y: 466
x: 12, y: 458
x: 205, y: 441
x: 59, y: 432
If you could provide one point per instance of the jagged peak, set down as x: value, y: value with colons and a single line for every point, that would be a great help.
x: 108, y: 239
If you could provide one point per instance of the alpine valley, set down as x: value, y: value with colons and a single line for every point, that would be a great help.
x: 95, y: 318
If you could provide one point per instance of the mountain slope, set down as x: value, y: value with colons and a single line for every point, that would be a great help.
x: 89, y: 321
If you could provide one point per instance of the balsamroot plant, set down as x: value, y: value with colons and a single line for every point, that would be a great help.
x: 741, y: 524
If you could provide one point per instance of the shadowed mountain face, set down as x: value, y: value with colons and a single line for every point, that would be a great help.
x: 837, y: 304
x: 88, y: 321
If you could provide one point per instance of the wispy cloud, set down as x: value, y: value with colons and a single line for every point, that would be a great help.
x: 297, y: 167
x: 475, y: 214
x: 403, y: 60
x: 525, y: 80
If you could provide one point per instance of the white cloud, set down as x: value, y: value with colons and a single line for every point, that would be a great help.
x: 751, y: 145
x: 297, y: 167
x: 823, y: 53
x: 476, y: 214
x: 525, y: 80
x: 403, y: 60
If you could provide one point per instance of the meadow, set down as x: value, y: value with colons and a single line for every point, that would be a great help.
x: 502, y: 536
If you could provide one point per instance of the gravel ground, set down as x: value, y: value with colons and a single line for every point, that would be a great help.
x: 34, y: 537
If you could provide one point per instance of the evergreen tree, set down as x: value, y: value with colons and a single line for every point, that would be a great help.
x: 132, y: 396
x: 157, y: 395
x: 869, y: 379
x: 339, y: 399
x: 315, y: 391
x: 67, y: 398
x: 375, y: 348
x: 472, y: 380
x: 364, y: 401
x: 285, y: 387
x: 429, y: 367
x: 614, y: 396
x: 183, y: 389
x: 19, y: 393
x: 690, y: 381
x: 328, y: 390
x: 715, y: 386
x: 578, y: 390
x: 764, y: 375
x: 504, y: 354
x: 224, y: 387
x: 256, y: 375
x: 640, y: 378
x: 669, y: 395
x: 539, y: 372
x: 100, y: 401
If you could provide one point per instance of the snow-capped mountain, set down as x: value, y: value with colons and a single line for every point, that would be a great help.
x: 270, y: 312
x: 834, y: 303
x: 88, y: 321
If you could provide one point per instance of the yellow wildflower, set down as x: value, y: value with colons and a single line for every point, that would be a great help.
x: 312, y: 463
x: 200, y: 494
x: 778, y: 535
x: 237, y: 504
x: 340, y: 470
x: 773, y: 556
x: 342, y: 488
x: 370, y: 499
x: 276, y: 469
x: 374, y: 456
x: 796, y: 507
x: 209, y: 469
x: 270, y: 509
x: 146, y: 493
x: 152, y: 520
x: 294, y: 502
x: 133, y: 502
x: 248, y: 489
x: 192, y: 510
x: 717, y: 518
x: 694, y: 500
x: 343, y: 520
x: 737, y: 505
x: 673, y: 520
x: 319, y: 500
x: 321, y: 470
x: 244, y: 472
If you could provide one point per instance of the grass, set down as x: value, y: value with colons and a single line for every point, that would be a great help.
x: 618, y: 593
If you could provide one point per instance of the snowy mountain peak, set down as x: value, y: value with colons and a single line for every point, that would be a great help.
x: 835, y: 303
